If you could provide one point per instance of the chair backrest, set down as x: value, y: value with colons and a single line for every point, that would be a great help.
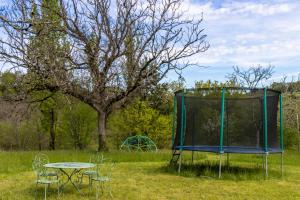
x: 38, y: 164
x: 96, y: 158
x: 106, y: 168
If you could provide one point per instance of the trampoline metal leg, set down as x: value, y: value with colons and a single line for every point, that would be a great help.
x: 180, y: 161
x: 281, y: 164
x: 266, y: 164
x: 227, y: 160
x: 220, y: 165
x: 192, y: 156
x: 263, y: 161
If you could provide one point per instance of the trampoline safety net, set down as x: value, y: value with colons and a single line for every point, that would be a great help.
x: 246, y: 113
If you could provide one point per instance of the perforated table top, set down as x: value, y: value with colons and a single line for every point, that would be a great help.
x: 70, y: 165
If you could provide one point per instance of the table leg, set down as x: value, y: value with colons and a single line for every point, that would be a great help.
x: 69, y: 176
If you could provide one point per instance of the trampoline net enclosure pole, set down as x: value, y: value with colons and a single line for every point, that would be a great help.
x: 281, y: 122
x: 222, y: 130
x: 266, y: 129
x: 182, y: 122
x: 181, y: 131
x: 265, y: 121
x: 281, y: 131
x: 174, y: 122
x: 222, y: 121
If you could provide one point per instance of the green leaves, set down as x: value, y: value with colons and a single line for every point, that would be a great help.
x: 77, y: 124
x: 11, y: 85
x: 140, y: 119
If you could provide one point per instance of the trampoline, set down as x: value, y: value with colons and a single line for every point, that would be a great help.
x: 228, y: 120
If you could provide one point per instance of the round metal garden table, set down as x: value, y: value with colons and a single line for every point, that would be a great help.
x: 74, y: 167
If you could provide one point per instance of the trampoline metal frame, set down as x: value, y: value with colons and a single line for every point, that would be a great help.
x: 221, y: 148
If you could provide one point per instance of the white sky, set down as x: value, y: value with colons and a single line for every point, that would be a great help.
x: 246, y: 33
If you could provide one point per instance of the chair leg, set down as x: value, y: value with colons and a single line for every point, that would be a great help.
x: 45, y: 191
x: 57, y: 189
x: 35, y: 193
x: 97, y: 191
x: 102, y: 187
x: 90, y: 183
x: 110, y: 190
x: 79, y: 179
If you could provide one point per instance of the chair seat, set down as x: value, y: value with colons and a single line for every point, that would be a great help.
x: 49, y: 174
x: 101, y: 178
x: 89, y: 172
x: 47, y: 181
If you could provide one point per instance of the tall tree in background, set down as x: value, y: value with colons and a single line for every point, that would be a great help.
x: 251, y: 77
x: 48, y: 109
x: 94, y: 68
x: 46, y: 48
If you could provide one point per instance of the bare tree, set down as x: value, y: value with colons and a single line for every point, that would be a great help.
x: 95, y: 68
x: 252, y: 76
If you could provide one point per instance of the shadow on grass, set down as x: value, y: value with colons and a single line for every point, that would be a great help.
x: 210, y: 170
x: 68, y: 192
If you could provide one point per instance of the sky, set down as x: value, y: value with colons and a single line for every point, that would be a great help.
x: 246, y: 33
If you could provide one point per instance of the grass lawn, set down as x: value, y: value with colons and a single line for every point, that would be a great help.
x: 148, y: 176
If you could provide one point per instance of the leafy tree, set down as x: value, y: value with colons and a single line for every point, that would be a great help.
x: 215, y: 84
x: 287, y: 86
x: 46, y: 48
x: 94, y: 69
x: 140, y: 119
x: 11, y: 88
x: 291, y: 106
x: 78, y: 122
x: 161, y: 96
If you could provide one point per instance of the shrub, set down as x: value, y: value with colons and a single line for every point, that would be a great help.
x: 290, y: 138
x: 140, y: 119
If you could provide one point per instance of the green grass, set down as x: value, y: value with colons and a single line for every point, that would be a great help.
x: 148, y: 176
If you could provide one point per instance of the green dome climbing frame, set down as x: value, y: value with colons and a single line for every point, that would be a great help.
x: 138, y: 143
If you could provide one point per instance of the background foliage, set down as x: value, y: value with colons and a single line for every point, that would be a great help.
x: 140, y: 119
x: 26, y: 125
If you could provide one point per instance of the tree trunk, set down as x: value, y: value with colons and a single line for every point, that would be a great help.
x: 102, y: 131
x: 40, y: 140
x: 52, y: 133
x: 39, y: 137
